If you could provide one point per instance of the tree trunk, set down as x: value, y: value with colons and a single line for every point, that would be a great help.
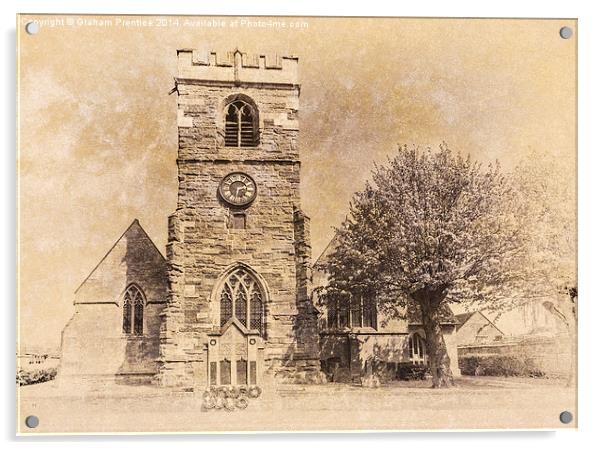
x: 436, y: 350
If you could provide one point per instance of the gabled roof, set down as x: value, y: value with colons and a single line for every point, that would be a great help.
x: 134, y: 224
x: 465, y: 317
x: 327, y: 250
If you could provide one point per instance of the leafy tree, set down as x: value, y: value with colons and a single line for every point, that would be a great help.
x: 430, y: 228
x: 548, y: 196
x: 550, y: 201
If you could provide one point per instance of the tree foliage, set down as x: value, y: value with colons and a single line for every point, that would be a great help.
x: 430, y: 227
x: 546, y: 188
x: 430, y: 221
x: 549, y: 197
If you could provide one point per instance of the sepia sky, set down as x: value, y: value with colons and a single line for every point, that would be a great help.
x: 98, y: 137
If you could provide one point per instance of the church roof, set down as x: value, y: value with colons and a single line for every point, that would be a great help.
x: 327, y: 251
x: 465, y: 317
x: 134, y: 227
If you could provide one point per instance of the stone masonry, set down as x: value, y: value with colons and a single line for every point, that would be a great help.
x: 94, y: 346
x: 203, y: 245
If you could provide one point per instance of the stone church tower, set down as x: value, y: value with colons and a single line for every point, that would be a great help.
x: 238, y: 250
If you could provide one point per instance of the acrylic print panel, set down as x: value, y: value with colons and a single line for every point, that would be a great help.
x: 170, y: 279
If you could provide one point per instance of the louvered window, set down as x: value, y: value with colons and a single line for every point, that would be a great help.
x: 241, y: 125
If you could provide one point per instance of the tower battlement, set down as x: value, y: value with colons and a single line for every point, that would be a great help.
x: 237, y: 67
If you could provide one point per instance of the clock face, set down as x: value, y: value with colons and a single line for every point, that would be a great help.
x: 238, y: 189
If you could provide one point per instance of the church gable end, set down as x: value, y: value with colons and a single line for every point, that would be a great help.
x: 134, y: 258
x: 114, y: 332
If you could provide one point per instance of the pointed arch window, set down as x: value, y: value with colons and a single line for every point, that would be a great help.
x: 133, y: 311
x: 241, y: 297
x: 127, y: 315
x: 225, y: 305
x: 242, y: 124
x: 417, y: 346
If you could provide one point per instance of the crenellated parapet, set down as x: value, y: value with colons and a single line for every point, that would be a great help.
x: 237, y: 67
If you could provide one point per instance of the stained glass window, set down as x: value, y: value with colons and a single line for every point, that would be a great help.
x: 127, y: 316
x: 138, y: 317
x: 360, y: 311
x: 242, y: 298
x: 133, y: 302
x: 256, y: 319
x: 241, y: 307
x: 213, y: 373
x: 225, y: 305
x: 356, y: 311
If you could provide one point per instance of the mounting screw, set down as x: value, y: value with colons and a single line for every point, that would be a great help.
x: 566, y: 417
x: 32, y: 27
x: 566, y: 32
x: 32, y: 421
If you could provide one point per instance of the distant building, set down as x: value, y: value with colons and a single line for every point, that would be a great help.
x: 31, y: 358
x: 533, y: 332
x: 475, y: 328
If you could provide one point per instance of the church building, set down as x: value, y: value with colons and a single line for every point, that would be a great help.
x: 360, y: 340
x: 230, y: 302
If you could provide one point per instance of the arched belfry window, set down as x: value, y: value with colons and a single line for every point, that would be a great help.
x: 133, y: 311
x: 241, y: 297
x: 242, y: 124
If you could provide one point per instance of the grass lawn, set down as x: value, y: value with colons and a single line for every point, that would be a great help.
x: 475, y: 402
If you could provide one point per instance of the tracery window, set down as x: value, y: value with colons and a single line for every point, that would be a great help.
x: 241, y: 128
x: 359, y: 312
x: 241, y: 298
x: 133, y: 311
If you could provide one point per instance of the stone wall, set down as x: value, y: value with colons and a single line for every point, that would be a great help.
x: 203, y: 245
x: 306, y: 321
x: 201, y: 123
x: 93, y: 342
x: 551, y: 355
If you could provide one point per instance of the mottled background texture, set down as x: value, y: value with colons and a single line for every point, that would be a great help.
x: 98, y: 137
